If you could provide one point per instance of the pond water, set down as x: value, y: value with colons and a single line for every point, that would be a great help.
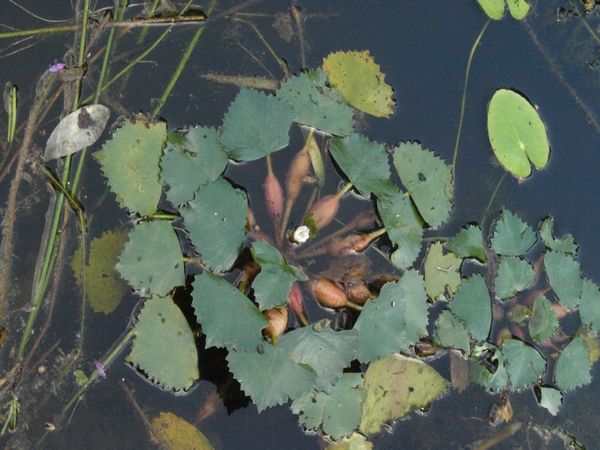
x: 423, y: 49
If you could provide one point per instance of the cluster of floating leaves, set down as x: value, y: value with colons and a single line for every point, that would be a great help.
x: 307, y: 364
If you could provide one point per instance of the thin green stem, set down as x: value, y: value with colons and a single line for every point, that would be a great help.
x: 489, y: 205
x: 464, y: 97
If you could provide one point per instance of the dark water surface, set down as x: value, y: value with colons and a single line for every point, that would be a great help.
x: 423, y: 48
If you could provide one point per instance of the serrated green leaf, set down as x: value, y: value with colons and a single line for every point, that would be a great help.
x: 479, y: 373
x: 427, y: 179
x: 451, y: 333
x: 104, y: 288
x: 512, y: 236
x: 191, y: 160
x: 396, y: 386
x: 564, y: 276
x: 228, y: 318
x: 381, y: 325
x: 589, y: 309
x: 318, y: 105
x: 357, y: 76
x: 573, y: 366
x: 514, y: 275
x: 525, y: 364
x: 441, y: 271
x: 152, y: 260
x: 403, y: 225
x: 517, y: 133
x: 416, y: 309
x: 364, y: 162
x: 543, y: 322
x: 468, y: 243
x: 326, y: 351
x: 551, y: 399
x: 164, y: 346
x: 271, y: 376
x: 472, y: 305
x: 339, y: 412
x: 566, y: 245
x: 216, y: 220
x: 256, y: 125
x: 130, y: 162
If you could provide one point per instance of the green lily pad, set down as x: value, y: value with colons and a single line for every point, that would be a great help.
x: 566, y: 245
x: 441, y: 271
x: 164, y: 346
x: 318, y: 105
x: 256, y: 125
x: 573, y: 365
x: 589, y: 308
x: 451, y: 333
x: 130, y: 162
x: 472, y: 304
x: 525, y: 364
x: 512, y: 236
x: 396, y: 386
x: 104, y: 288
x: 152, y: 261
x: 270, y: 376
x: 228, y: 318
x: 328, y: 352
x: 514, y: 275
x: 338, y: 412
x: 493, y: 8
x: 427, y: 179
x: 216, y: 220
x: 564, y: 275
x: 364, y: 162
x: 518, y: 8
x: 543, y: 322
x: 381, y: 325
x: 190, y: 161
x: 487, y: 367
x: 517, y: 133
x: 403, y: 226
x: 273, y: 284
x: 468, y: 243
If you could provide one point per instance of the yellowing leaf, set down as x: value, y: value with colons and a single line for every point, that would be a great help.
x: 104, y: 288
x: 356, y: 75
x: 177, y: 433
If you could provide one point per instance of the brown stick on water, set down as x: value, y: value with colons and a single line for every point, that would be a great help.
x: 8, y: 224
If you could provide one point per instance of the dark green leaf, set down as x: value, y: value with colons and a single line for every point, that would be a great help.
x: 564, y: 277
x: 152, y: 261
x: 573, y: 366
x: 216, y: 219
x: 191, y: 162
x: 326, y: 351
x: 403, y: 226
x: 514, y: 275
x: 416, y: 305
x: 468, y: 243
x: 589, y: 309
x: 317, y: 105
x: 228, y: 318
x: 451, y: 333
x: 427, y: 179
x: 164, y: 346
x: 271, y: 376
x: 512, y: 237
x: 256, y: 125
x: 566, y: 245
x: 543, y: 322
x: 472, y: 305
x: 484, y: 358
x: 364, y: 162
x: 441, y: 271
x: 525, y: 364
x: 551, y: 399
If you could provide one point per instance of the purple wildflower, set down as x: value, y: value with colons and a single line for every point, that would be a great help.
x: 57, y: 67
x: 100, y: 368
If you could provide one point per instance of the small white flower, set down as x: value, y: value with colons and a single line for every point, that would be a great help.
x: 301, y: 234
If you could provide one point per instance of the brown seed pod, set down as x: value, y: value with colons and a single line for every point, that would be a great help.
x: 278, y: 321
x: 359, y: 293
x: 297, y: 172
x: 296, y: 302
x: 328, y: 293
x: 324, y: 210
x: 273, y: 198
